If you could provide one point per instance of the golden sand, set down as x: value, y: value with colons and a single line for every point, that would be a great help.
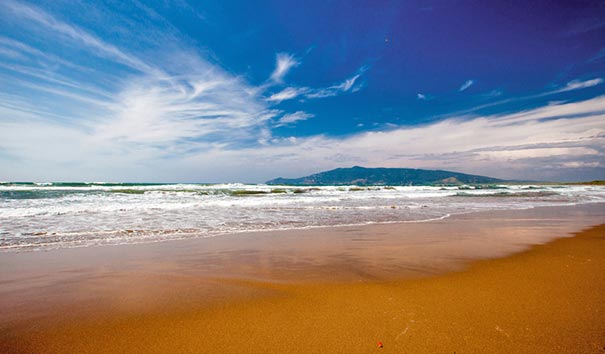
x: 548, y: 299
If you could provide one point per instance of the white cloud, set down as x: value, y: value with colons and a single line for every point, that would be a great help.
x: 466, y: 85
x: 155, y: 112
x: 506, y: 146
x: 581, y: 164
x: 594, y: 106
x: 570, y: 86
x: 424, y: 97
x: 287, y: 94
x: 292, y: 92
x: 283, y: 63
x: 509, y: 146
x: 75, y: 33
x: 176, y: 101
x: 516, y: 154
x: 576, y: 84
x: 493, y: 93
x: 294, y: 117
x: 345, y: 86
x: 173, y: 105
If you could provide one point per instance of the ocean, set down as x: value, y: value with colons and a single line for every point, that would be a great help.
x: 45, y: 216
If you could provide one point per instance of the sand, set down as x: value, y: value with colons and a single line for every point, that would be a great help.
x: 540, y: 296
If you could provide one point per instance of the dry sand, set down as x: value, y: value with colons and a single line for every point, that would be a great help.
x: 546, y: 299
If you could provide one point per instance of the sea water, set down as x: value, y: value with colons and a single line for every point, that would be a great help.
x: 44, y: 216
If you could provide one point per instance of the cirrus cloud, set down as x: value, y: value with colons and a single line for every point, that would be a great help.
x: 466, y: 85
x: 283, y: 63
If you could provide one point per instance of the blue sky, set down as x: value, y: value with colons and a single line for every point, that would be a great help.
x: 192, y: 91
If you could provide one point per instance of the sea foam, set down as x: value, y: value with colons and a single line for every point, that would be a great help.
x: 41, y: 216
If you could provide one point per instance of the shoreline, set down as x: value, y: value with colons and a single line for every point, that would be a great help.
x: 48, y: 294
x: 45, y: 236
x: 305, y: 229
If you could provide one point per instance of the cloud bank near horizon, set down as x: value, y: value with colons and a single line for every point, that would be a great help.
x: 504, y: 146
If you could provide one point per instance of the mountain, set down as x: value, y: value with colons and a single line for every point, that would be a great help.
x: 362, y: 176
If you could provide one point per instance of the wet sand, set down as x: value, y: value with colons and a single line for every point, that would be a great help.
x: 417, y: 288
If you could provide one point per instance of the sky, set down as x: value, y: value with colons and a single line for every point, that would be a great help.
x: 246, y: 91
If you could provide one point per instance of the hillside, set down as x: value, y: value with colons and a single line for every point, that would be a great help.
x: 384, y: 176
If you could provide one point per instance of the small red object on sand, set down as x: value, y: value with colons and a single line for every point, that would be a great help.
x: 379, y: 344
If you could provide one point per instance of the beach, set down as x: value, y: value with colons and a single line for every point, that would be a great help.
x: 186, y: 177
x: 522, y: 281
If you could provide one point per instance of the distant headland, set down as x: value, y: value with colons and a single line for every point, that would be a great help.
x: 363, y: 176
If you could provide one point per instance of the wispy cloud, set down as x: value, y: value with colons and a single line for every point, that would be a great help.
x: 167, y: 105
x: 558, y: 136
x: 577, y: 84
x: 283, y: 63
x: 348, y: 85
x: 75, y: 33
x: 291, y: 118
x: 165, y: 102
x: 536, y: 152
x: 570, y: 86
x: 287, y: 94
x: 424, y: 97
x: 204, y: 108
x: 466, y: 85
x: 492, y: 93
x: 561, y: 138
x: 172, y: 101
